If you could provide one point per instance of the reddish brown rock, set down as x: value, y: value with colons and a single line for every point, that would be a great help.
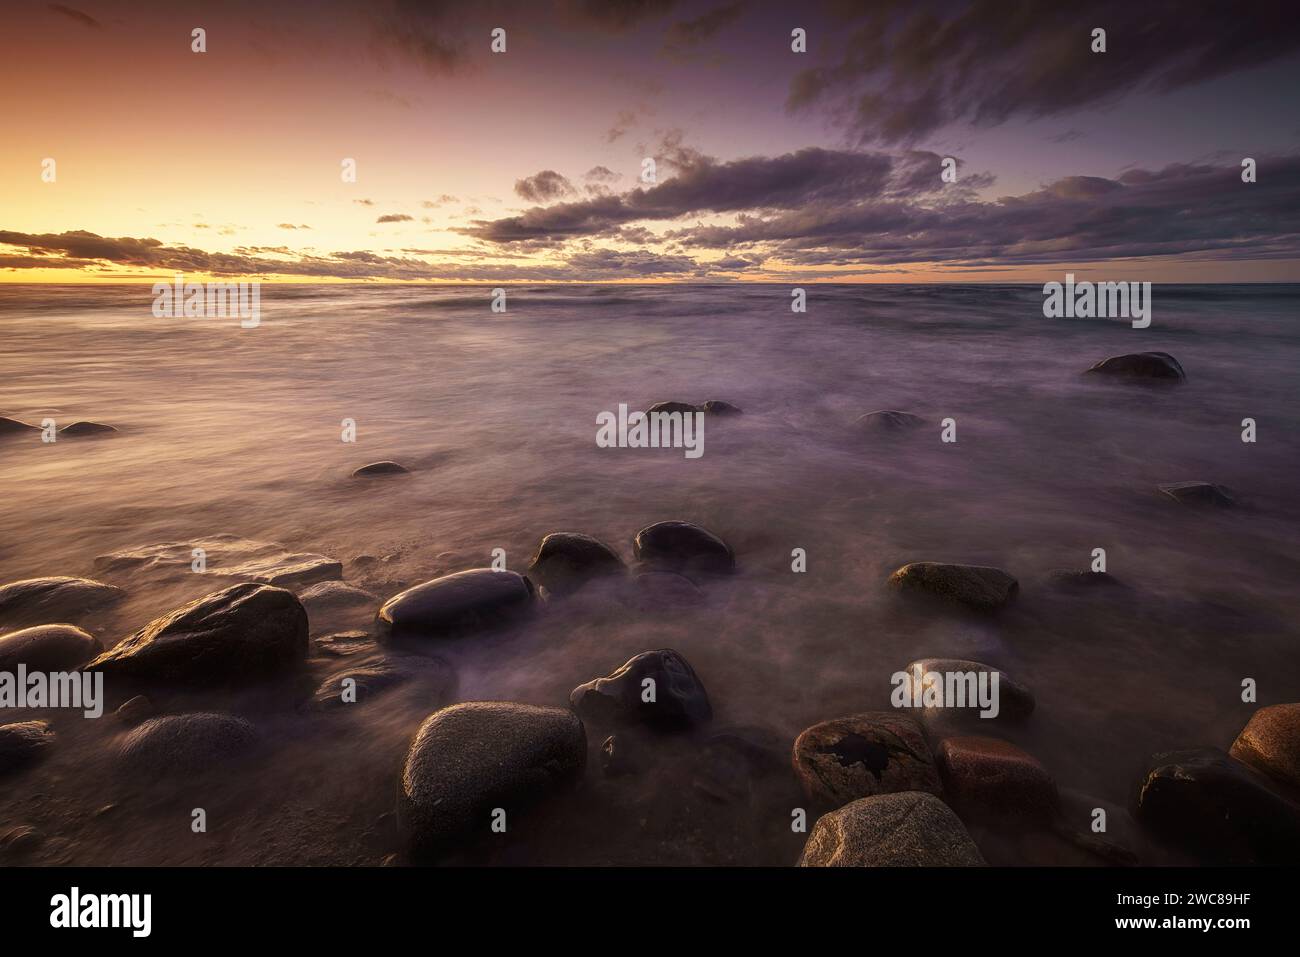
x: 1270, y: 743
x: 992, y: 777
x: 876, y: 752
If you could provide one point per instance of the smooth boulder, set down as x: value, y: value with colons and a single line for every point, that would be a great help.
x: 1199, y: 494
x: 468, y: 759
x: 23, y: 743
x: 990, y: 777
x: 909, y: 829
x: 1218, y: 808
x: 239, y: 634
x: 668, y: 408
x: 565, y: 561
x: 1270, y: 742
x: 47, y: 648
x: 679, y: 699
x: 185, y: 743
x: 684, y: 547
x: 977, y: 587
x: 58, y: 598
x: 876, y: 752
x: 719, y: 407
x: 458, y: 604
x: 1157, y: 366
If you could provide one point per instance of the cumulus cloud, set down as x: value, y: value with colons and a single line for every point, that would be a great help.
x: 395, y: 218
x: 544, y: 186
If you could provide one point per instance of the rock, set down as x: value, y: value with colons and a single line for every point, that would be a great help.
x: 459, y: 603
x: 40, y: 600
x: 240, y: 634
x: 341, y: 644
x: 1070, y: 580
x: 1015, y: 702
x: 876, y: 752
x: 990, y: 777
x: 565, y: 561
x: 731, y: 761
x: 654, y: 589
x: 47, y: 648
x: 333, y: 604
x: 470, y: 758
x: 135, y: 711
x: 1270, y: 743
x: 1199, y: 494
x: 1141, y: 365
x: 1218, y: 808
x: 680, y: 701
x: 228, y: 556
x: 909, y: 829
x: 681, y: 546
x: 671, y: 407
x: 185, y: 743
x: 10, y: 426
x: 86, y: 428
x: 371, y: 679
x: 978, y: 587
x: 23, y: 743
x: 18, y: 840
x: 762, y: 748
x: 380, y: 468
x: 888, y: 420
x: 718, y: 407
x: 614, y: 760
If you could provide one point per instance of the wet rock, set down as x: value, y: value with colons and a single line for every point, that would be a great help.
x: 369, y: 680
x: 457, y: 604
x: 185, y: 743
x: 1070, y: 580
x: 1218, y: 808
x: 86, y: 428
x: 40, y: 600
x: 938, y: 685
x: 47, y: 648
x: 993, y: 778
x: 680, y: 701
x: 1159, y: 366
x: 23, y: 743
x: 1199, y: 494
x: 228, y: 556
x: 135, y: 711
x: 978, y: 587
x: 326, y: 596
x: 1270, y: 743
x: 565, y: 561
x: 889, y: 420
x: 684, y: 547
x: 671, y: 407
x: 240, y: 634
x: 341, y: 644
x: 380, y: 468
x: 909, y: 829
x: 876, y: 752
x: 718, y: 407
x: 19, y: 840
x: 614, y: 757
x: 10, y: 426
x: 470, y: 758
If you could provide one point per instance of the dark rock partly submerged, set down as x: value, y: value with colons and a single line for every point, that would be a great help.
x: 86, y: 428
x: 10, y: 426
x: 889, y: 420
x: 23, y: 743
x: 185, y: 743
x: 978, y: 587
x: 240, y: 634
x: 1199, y: 494
x: 47, y: 648
x: 380, y: 468
x: 565, y: 561
x: 40, y: 600
x: 1158, y: 366
x: 684, y: 547
x: 457, y: 604
x: 679, y: 700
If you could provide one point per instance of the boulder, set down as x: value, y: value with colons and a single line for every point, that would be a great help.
x: 990, y: 777
x: 1270, y: 743
x: 327, y: 596
x: 615, y: 759
x: 940, y: 681
x: 908, y: 829
x: 977, y: 587
x: 565, y: 561
x: 458, y: 604
x: 240, y: 634
x: 1157, y: 366
x: 10, y: 426
x: 341, y: 644
x: 228, y: 556
x: 185, y: 743
x: 47, y: 648
x: 684, y: 547
x: 680, y: 701
x: 1199, y: 494
x: 135, y: 711
x: 380, y: 468
x: 40, y: 600
x: 889, y: 420
x: 468, y: 759
x: 368, y: 680
x: 718, y: 407
x: 671, y: 407
x: 1218, y: 808
x: 23, y: 743
x: 876, y: 752
x: 86, y: 428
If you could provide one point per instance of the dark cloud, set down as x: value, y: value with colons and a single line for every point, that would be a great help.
x: 428, y: 32
x: 619, y: 15
x: 600, y: 174
x: 544, y: 186
x: 394, y: 218
x: 291, y: 226
x: 71, y: 13
x: 907, y: 69
x: 690, y: 33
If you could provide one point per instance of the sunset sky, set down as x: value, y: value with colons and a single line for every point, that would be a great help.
x: 772, y: 165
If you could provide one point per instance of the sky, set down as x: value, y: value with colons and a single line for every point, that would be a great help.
x: 129, y: 156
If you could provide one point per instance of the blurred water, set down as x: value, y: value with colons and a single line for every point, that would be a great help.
x: 230, y: 430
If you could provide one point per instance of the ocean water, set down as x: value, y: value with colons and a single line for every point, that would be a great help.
x: 237, y: 431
